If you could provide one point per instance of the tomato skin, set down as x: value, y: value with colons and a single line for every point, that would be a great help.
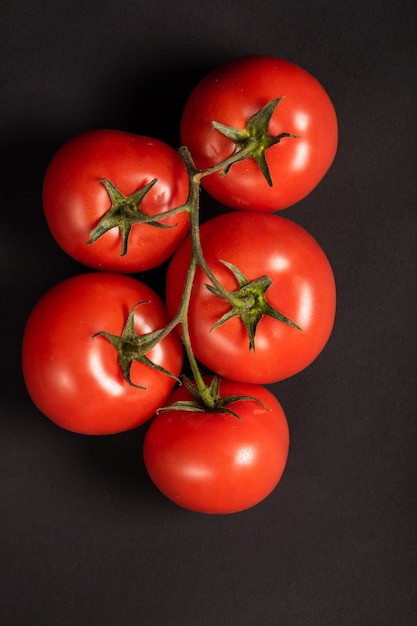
x: 75, y: 379
x: 303, y: 289
x: 216, y: 463
x: 75, y: 199
x: 231, y: 94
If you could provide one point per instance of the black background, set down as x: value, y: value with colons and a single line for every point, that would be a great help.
x: 85, y: 538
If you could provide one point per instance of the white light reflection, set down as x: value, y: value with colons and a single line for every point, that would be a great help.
x: 194, y: 472
x: 156, y: 354
x: 302, y: 155
x: 110, y: 384
x: 301, y: 121
x: 279, y: 263
x: 245, y: 456
x: 305, y: 309
x: 66, y: 380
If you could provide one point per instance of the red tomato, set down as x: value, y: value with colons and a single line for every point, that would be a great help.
x: 230, y: 95
x: 75, y: 379
x: 213, y: 462
x: 75, y: 198
x: 302, y: 289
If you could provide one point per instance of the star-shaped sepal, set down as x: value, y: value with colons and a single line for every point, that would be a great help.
x: 210, y: 400
x: 249, y: 303
x: 132, y: 347
x: 254, y: 140
x: 124, y: 212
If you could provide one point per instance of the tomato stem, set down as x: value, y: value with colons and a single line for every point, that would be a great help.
x: 192, y: 205
x: 197, y: 258
x: 249, y: 301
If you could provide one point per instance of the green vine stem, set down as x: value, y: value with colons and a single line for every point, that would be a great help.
x: 197, y: 258
x: 251, y: 142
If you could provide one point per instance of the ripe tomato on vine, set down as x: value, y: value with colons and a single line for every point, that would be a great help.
x: 100, y: 193
x: 277, y: 310
x: 212, y: 462
x: 72, y: 371
x: 279, y: 107
x: 250, y: 296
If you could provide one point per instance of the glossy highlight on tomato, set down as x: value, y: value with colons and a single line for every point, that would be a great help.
x: 230, y: 95
x: 74, y: 377
x: 303, y: 289
x: 214, y: 462
x: 75, y: 198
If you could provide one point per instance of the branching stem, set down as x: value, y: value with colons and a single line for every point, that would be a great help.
x: 249, y: 301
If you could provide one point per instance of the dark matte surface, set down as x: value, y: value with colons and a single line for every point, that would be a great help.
x: 85, y: 538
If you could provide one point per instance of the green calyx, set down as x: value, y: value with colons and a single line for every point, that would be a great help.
x: 254, y: 140
x: 124, y: 212
x: 249, y: 303
x: 132, y: 347
x: 216, y: 404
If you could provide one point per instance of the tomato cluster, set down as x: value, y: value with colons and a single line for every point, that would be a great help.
x: 250, y: 296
